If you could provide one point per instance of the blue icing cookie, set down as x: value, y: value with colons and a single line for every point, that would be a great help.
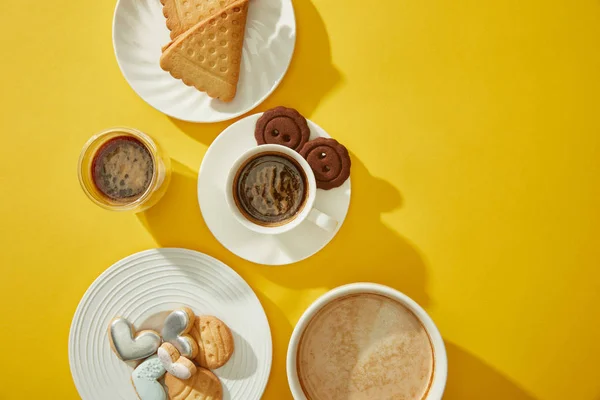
x: 145, y: 382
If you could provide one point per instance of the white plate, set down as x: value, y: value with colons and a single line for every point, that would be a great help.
x: 293, y: 246
x: 142, y: 288
x: 139, y: 32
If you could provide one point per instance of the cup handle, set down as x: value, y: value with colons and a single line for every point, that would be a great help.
x: 322, y: 220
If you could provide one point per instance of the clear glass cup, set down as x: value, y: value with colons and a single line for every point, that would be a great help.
x: 160, y: 178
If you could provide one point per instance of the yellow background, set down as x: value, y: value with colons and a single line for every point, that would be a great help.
x: 474, y: 127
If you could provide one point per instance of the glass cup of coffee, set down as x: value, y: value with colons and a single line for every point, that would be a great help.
x: 271, y: 189
x: 123, y: 169
x: 366, y: 341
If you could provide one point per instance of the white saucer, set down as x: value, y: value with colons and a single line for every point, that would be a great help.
x: 296, y: 245
x: 143, y: 288
x: 139, y: 32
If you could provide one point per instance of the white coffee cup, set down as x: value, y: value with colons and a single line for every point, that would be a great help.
x: 308, y: 212
x: 440, y: 370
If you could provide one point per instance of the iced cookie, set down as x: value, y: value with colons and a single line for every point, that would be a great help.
x: 215, y: 341
x: 145, y: 380
x: 203, y: 385
x: 283, y: 126
x: 129, y: 345
x: 329, y: 161
x: 175, y: 331
x: 178, y: 366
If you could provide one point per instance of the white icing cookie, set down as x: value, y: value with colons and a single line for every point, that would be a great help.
x: 145, y: 380
x: 175, y: 331
x: 128, y: 345
x: 178, y: 366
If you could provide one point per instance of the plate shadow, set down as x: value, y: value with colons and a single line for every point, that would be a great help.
x: 310, y: 77
x: 281, y: 331
x: 242, y: 350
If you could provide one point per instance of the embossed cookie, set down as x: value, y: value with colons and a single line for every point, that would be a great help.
x: 283, y: 126
x: 208, y: 55
x: 203, y: 385
x: 329, y: 161
x: 215, y: 341
x: 176, y: 331
x: 183, y: 14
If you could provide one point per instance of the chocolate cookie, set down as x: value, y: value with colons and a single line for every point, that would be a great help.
x: 283, y: 126
x: 329, y: 161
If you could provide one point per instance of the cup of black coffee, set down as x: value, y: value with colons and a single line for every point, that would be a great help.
x: 123, y: 169
x: 271, y: 189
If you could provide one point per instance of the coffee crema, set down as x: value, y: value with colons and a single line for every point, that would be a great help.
x: 365, y: 347
x: 270, y: 189
x: 122, y: 169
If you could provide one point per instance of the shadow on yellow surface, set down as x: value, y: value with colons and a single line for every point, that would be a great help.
x: 359, y: 250
x: 365, y: 249
x: 472, y: 379
x: 176, y: 221
x: 310, y: 78
x: 281, y: 330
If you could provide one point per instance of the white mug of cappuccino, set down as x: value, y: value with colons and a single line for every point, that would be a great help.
x: 366, y: 341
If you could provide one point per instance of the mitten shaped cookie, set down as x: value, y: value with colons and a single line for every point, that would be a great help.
x: 176, y: 331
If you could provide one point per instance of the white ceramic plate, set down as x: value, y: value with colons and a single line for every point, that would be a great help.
x: 143, y: 288
x: 293, y: 246
x: 139, y: 32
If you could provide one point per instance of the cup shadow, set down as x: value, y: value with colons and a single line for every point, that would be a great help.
x: 310, y: 77
x: 176, y: 220
x: 365, y: 249
x: 469, y: 378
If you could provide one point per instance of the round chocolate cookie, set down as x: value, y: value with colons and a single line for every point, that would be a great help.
x: 329, y: 161
x: 283, y: 126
